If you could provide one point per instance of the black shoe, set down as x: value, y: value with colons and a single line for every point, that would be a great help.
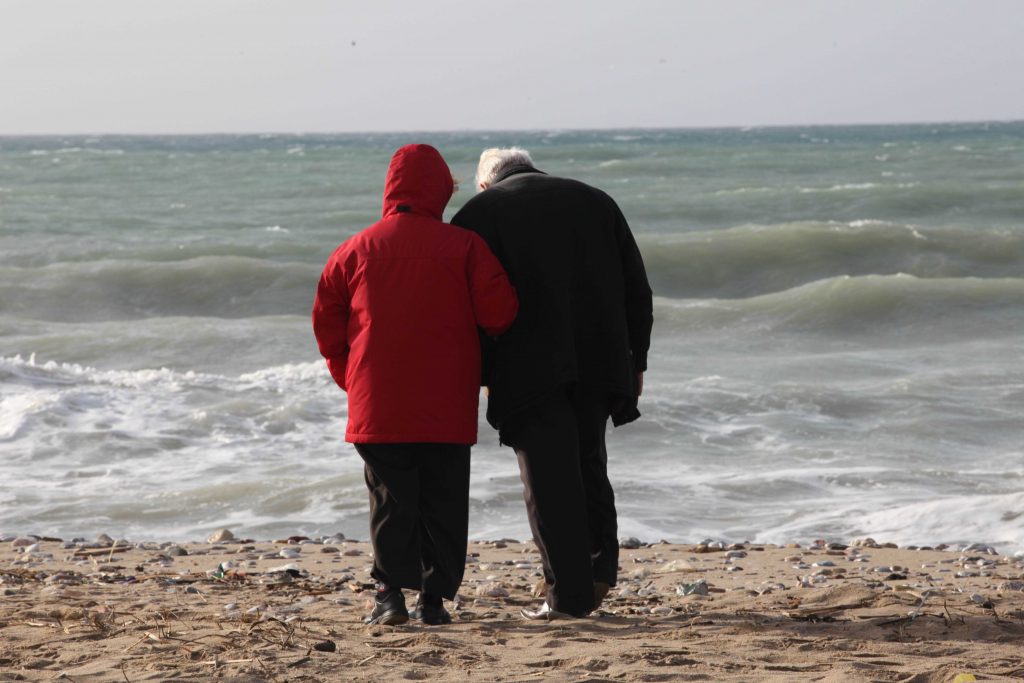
x: 388, y: 609
x: 431, y: 612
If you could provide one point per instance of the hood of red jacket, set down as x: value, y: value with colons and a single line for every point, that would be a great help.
x: 418, y: 180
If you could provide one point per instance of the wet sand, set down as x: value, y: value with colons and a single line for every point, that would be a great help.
x: 292, y: 609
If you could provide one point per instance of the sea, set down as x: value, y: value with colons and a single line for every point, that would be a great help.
x: 837, y: 349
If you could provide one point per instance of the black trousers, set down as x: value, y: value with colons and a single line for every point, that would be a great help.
x: 419, y: 514
x: 563, y: 462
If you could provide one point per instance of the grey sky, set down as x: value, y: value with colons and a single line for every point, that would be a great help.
x: 186, y: 66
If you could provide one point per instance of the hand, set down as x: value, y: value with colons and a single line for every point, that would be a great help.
x: 639, y: 383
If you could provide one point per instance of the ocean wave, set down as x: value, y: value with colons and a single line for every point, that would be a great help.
x: 863, y: 305
x: 51, y: 372
x: 756, y: 259
x: 215, y: 286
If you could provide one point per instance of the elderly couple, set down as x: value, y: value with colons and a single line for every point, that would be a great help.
x: 548, y: 269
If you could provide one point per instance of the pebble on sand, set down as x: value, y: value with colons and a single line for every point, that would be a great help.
x: 221, y: 536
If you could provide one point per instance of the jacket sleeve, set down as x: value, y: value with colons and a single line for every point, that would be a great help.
x: 639, y: 297
x: 330, y: 320
x: 495, y: 303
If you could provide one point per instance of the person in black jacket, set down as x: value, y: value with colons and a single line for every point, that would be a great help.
x: 574, y: 357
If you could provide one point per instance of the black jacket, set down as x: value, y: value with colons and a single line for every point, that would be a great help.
x: 585, y: 309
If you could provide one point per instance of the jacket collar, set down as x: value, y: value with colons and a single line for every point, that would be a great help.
x: 516, y: 170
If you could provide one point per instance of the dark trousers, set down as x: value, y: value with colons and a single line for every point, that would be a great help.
x: 570, y: 503
x: 419, y: 514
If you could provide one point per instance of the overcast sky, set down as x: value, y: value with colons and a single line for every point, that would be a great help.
x: 188, y: 66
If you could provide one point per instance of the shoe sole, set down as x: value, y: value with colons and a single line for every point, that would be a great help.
x: 442, y: 621
x: 545, y: 616
x: 389, y: 619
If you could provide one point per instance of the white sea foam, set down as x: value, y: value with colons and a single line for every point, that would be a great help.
x: 838, y: 188
x: 978, y: 518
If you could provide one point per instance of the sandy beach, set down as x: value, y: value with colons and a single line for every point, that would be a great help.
x: 292, y: 609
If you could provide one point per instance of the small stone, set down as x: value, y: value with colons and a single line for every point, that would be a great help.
x: 639, y: 574
x: 1011, y: 586
x: 221, y: 536
x: 675, y: 566
x: 325, y: 646
x: 289, y: 553
x: 352, y: 552
x: 176, y: 551
x: 696, y: 588
x: 631, y: 543
x: 329, y: 550
x: 980, y: 548
x: 492, y: 590
x: 24, y: 541
x: 104, y: 539
x: 662, y: 611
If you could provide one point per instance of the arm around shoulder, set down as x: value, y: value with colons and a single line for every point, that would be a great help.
x: 495, y: 303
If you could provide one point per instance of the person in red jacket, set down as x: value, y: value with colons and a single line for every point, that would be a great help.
x: 396, y: 315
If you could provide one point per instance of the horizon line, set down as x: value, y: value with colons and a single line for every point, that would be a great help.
x: 440, y: 131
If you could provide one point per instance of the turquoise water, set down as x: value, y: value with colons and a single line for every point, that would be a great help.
x: 837, y: 352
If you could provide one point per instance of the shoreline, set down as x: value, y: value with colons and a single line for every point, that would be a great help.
x: 292, y: 609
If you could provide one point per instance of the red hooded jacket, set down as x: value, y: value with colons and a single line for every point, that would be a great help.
x: 397, y: 311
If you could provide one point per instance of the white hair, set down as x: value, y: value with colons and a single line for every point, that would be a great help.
x: 494, y: 161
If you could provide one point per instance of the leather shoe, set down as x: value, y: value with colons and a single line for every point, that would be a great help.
x: 543, y: 613
x: 388, y: 609
x: 431, y: 615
